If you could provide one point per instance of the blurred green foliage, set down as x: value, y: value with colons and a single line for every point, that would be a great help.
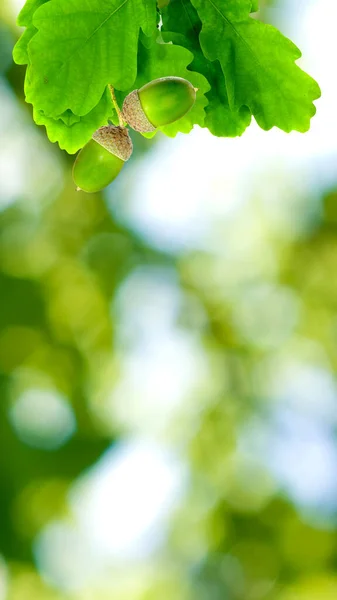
x: 237, y: 534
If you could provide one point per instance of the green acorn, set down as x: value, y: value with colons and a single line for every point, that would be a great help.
x: 158, y: 103
x: 102, y: 158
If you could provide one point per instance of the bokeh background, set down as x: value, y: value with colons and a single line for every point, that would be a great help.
x: 168, y: 356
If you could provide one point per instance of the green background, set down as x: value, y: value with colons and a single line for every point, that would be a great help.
x: 254, y: 307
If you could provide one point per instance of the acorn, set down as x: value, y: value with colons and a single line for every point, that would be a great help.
x: 160, y: 102
x: 102, y: 158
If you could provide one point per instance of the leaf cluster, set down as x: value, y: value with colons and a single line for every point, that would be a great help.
x: 243, y: 68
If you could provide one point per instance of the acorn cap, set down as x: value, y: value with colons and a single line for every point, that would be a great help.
x: 134, y: 115
x: 115, y: 139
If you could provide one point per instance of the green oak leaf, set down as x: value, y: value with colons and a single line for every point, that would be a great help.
x: 259, y: 66
x: 255, y: 6
x: 69, y: 118
x: 20, y: 50
x: 59, y: 128
x: 181, y: 25
x: 81, y: 46
x: 73, y: 132
x: 163, y: 60
x: 25, y: 19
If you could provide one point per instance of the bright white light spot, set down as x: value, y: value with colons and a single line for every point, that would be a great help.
x: 64, y: 556
x: 17, y: 5
x: 29, y: 167
x: 301, y: 449
x: 148, y: 301
x: 295, y: 440
x: 42, y: 418
x: 303, y: 456
x: 124, y: 503
x: 307, y: 389
x: 162, y: 366
x: 157, y: 378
